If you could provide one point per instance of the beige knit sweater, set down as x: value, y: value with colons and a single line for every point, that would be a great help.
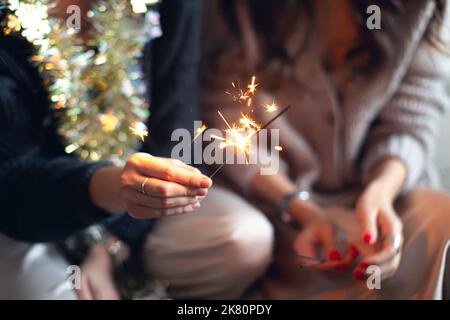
x: 330, y: 142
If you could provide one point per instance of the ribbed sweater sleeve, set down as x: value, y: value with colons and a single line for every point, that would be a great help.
x: 408, y: 125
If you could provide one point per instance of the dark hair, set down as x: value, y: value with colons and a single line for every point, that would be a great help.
x: 381, y: 44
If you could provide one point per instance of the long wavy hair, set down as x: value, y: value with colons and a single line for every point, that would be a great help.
x: 382, y: 44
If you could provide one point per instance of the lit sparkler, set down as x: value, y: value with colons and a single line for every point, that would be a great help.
x: 139, y: 129
x: 271, y: 107
x: 240, y: 137
x: 252, y: 86
x: 244, y: 96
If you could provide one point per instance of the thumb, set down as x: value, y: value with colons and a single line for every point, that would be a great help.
x: 367, y: 216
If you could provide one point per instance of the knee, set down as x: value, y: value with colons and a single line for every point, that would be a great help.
x: 224, y: 248
x: 247, y: 248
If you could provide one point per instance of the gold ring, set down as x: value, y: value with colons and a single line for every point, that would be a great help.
x: 143, y: 185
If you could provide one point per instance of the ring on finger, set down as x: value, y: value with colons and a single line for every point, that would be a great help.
x: 143, y: 186
x: 396, y: 241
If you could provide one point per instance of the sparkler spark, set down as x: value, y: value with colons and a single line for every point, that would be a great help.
x: 252, y: 86
x: 240, y: 140
x: 271, y: 107
x: 244, y: 96
x: 200, y: 132
x: 139, y: 129
x: 239, y: 135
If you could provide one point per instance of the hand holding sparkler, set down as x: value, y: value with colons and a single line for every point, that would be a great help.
x: 153, y: 187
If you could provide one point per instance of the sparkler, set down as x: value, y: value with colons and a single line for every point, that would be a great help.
x: 242, y: 141
x: 271, y: 107
x: 139, y: 129
x: 240, y: 136
x: 244, y: 96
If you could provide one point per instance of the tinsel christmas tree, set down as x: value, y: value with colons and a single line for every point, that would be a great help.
x: 96, y: 86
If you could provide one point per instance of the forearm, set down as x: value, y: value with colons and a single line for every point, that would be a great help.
x: 272, y: 188
x: 46, y: 199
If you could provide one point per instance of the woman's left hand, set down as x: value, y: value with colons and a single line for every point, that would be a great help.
x: 97, y: 280
x: 380, y: 224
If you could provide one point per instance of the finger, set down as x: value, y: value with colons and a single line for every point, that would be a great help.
x: 389, y: 269
x: 140, y: 212
x: 390, y: 223
x: 154, y: 167
x: 349, y: 258
x: 137, y: 198
x: 181, y: 164
x: 84, y: 293
x: 386, y: 260
x: 103, y: 288
x: 160, y: 188
x: 383, y: 256
x: 327, y: 239
x: 165, y: 189
x: 304, y: 247
x: 306, y: 251
x: 367, y: 217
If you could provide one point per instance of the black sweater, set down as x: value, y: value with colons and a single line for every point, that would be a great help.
x: 43, y: 191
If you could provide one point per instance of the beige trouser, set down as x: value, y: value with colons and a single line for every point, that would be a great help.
x: 216, y: 252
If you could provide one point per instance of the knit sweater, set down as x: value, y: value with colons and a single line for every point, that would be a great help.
x: 44, y: 192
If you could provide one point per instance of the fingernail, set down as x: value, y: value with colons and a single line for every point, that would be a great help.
x: 335, y: 256
x: 205, y: 182
x: 354, y: 251
x: 358, y: 274
x: 367, y: 237
x: 341, y: 266
x: 364, y: 265
x: 196, y: 205
x: 202, y: 192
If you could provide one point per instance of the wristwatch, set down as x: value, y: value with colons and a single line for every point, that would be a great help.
x: 283, y: 206
x: 80, y: 244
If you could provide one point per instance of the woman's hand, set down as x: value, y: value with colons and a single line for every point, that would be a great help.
x: 380, y: 223
x: 97, y: 280
x: 153, y: 187
x: 149, y: 187
x: 317, y: 239
x: 376, y: 212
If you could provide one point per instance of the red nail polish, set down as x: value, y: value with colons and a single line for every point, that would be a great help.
x: 364, y: 265
x: 205, y: 183
x: 367, y: 237
x: 341, y: 266
x: 354, y: 251
x: 335, y: 256
x: 358, y: 274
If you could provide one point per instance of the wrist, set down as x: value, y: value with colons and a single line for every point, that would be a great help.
x: 105, y: 190
x: 388, y: 178
x: 303, y: 212
x: 382, y: 189
x: 96, y: 241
